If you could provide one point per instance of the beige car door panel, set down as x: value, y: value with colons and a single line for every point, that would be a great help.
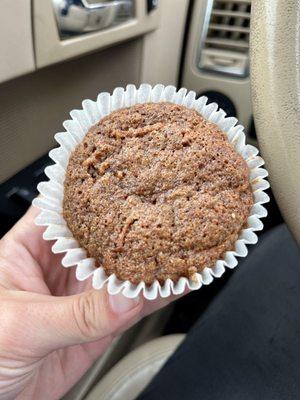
x: 66, y: 71
x: 16, y: 44
x: 34, y: 106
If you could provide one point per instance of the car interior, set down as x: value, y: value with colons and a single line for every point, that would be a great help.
x: 56, y: 53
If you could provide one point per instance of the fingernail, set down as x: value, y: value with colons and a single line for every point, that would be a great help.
x: 121, y: 304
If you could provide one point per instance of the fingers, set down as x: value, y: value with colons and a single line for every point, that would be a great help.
x: 46, y: 323
x: 90, y: 316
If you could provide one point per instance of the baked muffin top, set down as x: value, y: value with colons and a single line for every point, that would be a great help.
x: 155, y: 191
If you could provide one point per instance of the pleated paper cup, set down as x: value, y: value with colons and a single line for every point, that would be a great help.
x: 52, y: 191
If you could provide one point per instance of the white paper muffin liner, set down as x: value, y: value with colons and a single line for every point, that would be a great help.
x: 50, y: 200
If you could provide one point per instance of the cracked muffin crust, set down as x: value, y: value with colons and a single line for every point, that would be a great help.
x: 155, y: 191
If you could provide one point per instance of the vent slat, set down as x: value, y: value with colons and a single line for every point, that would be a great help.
x: 233, y: 14
x: 229, y: 28
x: 247, y: 2
x: 228, y: 43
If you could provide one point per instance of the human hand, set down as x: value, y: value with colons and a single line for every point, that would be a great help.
x: 52, y: 327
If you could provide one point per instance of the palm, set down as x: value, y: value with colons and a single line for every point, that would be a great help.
x: 28, y: 264
x: 36, y: 268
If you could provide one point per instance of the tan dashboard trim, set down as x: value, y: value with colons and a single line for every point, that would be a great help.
x: 49, y: 49
x: 16, y: 50
x: 162, y: 47
x: 238, y: 90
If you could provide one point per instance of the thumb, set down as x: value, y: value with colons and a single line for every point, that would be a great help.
x: 50, y: 323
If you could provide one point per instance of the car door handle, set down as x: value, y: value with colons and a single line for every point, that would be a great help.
x: 79, y: 16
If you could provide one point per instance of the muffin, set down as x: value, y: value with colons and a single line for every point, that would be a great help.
x: 155, y: 191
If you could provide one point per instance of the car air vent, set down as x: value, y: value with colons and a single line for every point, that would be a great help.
x: 224, y: 41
